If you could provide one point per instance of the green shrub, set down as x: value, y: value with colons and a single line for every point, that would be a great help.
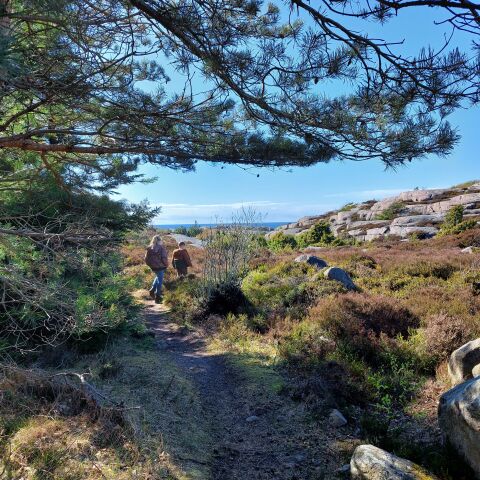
x: 194, y: 230
x: 454, y: 223
x: 181, y: 230
x: 286, y: 288
x: 347, y: 207
x: 319, y: 234
x: 191, y: 231
x: 225, y: 299
x: 454, y: 216
x: 459, y: 228
x: 305, y: 345
x: 279, y: 241
x: 391, y: 212
x: 184, y: 297
x: 64, y: 283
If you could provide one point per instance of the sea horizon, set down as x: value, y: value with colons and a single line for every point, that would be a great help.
x: 173, y: 226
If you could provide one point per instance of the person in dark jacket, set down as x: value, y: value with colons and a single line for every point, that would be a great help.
x: 181, y: 260
x: 157, y: 259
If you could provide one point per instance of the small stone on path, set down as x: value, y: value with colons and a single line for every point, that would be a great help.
x: 336, y: 418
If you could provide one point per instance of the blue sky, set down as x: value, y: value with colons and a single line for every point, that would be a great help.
x: 281, y: 195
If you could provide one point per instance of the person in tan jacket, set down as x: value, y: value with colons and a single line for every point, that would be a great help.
x: 181, y: 260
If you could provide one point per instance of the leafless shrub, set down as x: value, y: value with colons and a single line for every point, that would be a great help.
x: 228, y: 248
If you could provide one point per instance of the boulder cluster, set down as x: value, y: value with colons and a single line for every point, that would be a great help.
x: 330, y: 273
x: 459, y: 419
x: 417, y: 211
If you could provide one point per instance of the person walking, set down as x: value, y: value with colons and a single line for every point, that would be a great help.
x: 181, y: 260
x: 156, y: 258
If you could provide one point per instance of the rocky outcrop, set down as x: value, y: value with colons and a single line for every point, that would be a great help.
x: 372, y: 463
x: 459, y: 419
x: 414, y: 212
x: 463, y: 361
x: 311, y: 260
x: 335, y: 273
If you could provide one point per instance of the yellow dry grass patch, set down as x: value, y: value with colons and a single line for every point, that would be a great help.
x: 163, y: 434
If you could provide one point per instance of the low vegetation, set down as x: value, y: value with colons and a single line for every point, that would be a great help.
x: 192, y: 231
x: 319, y: 234
x: 380, y: 352
x: 454, y: 222
x: 391, y: 211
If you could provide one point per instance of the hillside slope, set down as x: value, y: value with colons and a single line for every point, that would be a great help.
x: 416, y: 211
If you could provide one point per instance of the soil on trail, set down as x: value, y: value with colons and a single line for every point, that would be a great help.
x: 256, y: 433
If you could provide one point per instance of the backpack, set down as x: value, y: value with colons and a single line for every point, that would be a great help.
x: 154, y: 260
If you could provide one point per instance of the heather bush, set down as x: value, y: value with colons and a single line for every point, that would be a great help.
x: 365, y: 325
x: 442, y: 334
x: 305, y: 345
x: 359, y: 266
x: 426, y: 269
x: 184, y: 297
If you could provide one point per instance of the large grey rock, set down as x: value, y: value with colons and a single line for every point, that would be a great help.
x: 309, y: 221
x: 367, y: 223
x: 383, y: 204
x: 312, y: 260
x: 421, y: 195
x: 406, y: 231
x: 416, y: 219
x: 459, y: 419
x: 445, y: 205
x: 356, y: 233
x: 463, y: 360
x: 335, y: 273
x: 372, y: 463
x: 378, y: 232
x: 343, y: 217
x: 420, y: 207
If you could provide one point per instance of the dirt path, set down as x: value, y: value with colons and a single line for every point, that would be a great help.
x: 257, y: 434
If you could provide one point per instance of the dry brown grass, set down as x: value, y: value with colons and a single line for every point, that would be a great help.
x: 48, y: 432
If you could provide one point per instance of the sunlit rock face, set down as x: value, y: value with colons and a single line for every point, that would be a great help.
x: 459, y: 419
x: 415, y: 212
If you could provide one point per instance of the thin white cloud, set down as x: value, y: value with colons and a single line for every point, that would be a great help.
x: 209, y: 212
x: 377, y: 194
x: 208, y: 206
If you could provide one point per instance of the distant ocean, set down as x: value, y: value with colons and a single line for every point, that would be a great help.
x: 173, y: 226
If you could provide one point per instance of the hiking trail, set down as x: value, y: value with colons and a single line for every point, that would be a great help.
x: 256, y: 433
